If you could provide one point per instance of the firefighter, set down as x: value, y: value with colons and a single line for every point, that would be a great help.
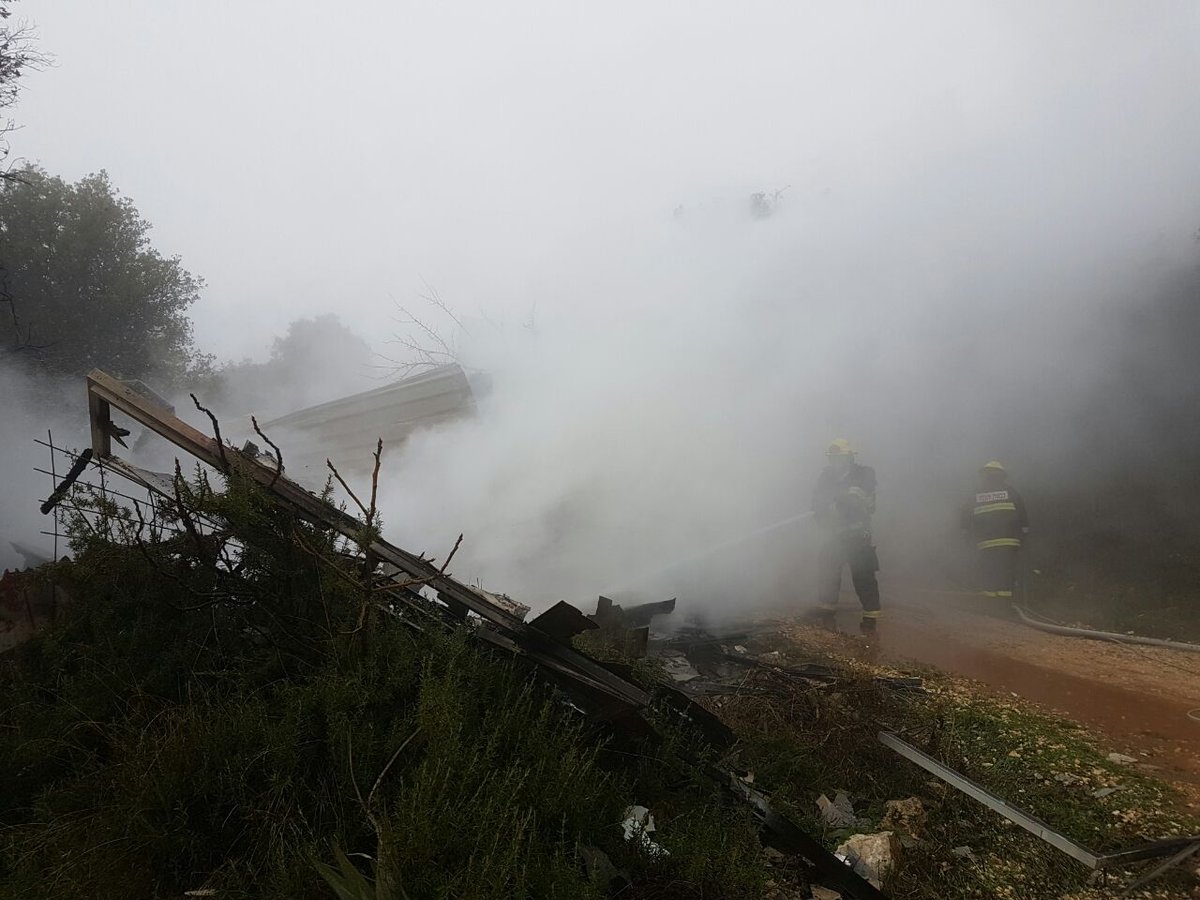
x: 843, y: 502
x: 998, y: 523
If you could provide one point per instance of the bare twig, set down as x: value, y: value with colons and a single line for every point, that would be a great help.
x: 342, y: 482
x: 211, y: 597
x: 271, y: 444
x: 453, y: 550
x: 425, y: 347
x: 408, y: 740
x: 375, y: 481
x: 353, y: 777
x: 432, y: 296
x: 216, y: 430
x: 442, y: 344
x: 406, y: 583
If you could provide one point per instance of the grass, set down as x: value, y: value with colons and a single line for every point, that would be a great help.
x: 802, y: 741
x: 1109, y: 606
x: 1119, y: 579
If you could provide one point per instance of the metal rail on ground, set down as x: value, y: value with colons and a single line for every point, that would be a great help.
x: 1035, y: 826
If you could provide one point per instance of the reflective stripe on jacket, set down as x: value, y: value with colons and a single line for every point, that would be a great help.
x: 997, y: 518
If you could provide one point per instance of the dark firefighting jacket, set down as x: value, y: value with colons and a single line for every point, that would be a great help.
x: 997, y: 518
x: 844, y: 500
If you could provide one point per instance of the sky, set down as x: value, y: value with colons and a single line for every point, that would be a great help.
x: 969, y: 188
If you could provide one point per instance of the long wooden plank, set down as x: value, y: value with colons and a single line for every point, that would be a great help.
x: 112, y: 393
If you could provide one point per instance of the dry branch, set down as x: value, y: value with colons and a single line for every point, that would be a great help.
x: 216, y: 431
x: 271, y: 444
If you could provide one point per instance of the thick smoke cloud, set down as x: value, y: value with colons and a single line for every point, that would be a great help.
x: 979, y: 194
x: 33, y: 410
x: 691, y: 398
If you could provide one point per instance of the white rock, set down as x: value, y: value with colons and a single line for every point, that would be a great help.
x: 873, y: 856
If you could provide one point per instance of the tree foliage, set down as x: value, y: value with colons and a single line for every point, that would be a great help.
x: 18, y: 55
x: 85, y: 286
x: 310, y: 364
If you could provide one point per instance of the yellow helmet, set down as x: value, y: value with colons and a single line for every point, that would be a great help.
x: 839, y: 447
x: 993, y: 466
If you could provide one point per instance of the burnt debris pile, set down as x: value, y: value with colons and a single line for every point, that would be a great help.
x: 255, y: 693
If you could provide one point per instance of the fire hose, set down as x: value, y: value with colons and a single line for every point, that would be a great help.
x: 1034, y: 621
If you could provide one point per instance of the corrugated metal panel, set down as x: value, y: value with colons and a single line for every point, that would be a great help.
x: 346, y: 430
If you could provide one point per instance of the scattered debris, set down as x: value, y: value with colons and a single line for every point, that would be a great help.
x: 824, y: 893
x: 1103, y: 792
x: 839, y: 812
x: 964, y: 853
x: 1068, y: 778
x: 639, y: 825
x: 903, y: 684
x: 781, y: 833
x: 676, y: 665
x: 873, y: 856
x: 602, y: 691
x: 1120, y: 759
x: 905, y: 816
x: 628, y: 630
x: 777, y: 891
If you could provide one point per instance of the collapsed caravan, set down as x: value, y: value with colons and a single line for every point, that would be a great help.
x: 348, y: 429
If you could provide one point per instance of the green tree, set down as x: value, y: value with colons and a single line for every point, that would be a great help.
x: 317, y: 360
x: 86, y: 288
x: 18, y: 55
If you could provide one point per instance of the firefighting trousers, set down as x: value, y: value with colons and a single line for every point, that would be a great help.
x: 997, y: 572
x: 857, y: 552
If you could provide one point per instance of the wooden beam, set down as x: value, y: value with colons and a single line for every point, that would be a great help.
x: 104, y: 389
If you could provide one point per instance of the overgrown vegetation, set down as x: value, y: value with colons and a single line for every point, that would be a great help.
x: 225, y: 708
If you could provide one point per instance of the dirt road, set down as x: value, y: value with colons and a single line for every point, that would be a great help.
x: 1140, y: 697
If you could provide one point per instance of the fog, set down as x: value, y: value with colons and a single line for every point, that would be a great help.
x: 975, y: 193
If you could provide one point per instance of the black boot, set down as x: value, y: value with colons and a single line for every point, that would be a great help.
x: 867, y: 624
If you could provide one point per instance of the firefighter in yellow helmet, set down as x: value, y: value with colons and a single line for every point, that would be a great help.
x: 843, y: 502
x: 998, y: 523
